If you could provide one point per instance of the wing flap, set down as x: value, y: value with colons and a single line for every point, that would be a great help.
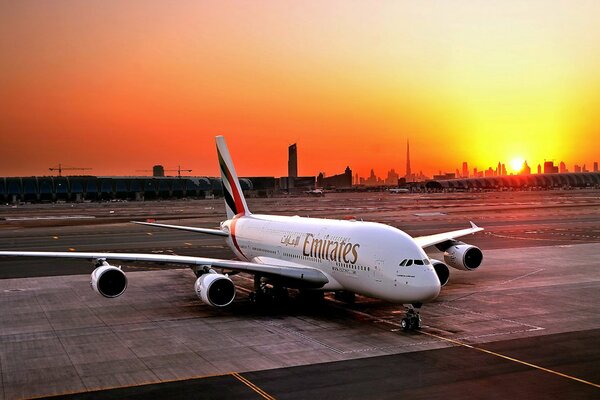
x: 430, y: 240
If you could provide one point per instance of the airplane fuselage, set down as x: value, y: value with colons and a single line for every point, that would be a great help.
x: 361, y: 257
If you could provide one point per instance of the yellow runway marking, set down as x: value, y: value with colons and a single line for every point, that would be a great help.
x: 135, y: 385
x: 459, y: 343
x: 252, y: 386
x: 493, y: 353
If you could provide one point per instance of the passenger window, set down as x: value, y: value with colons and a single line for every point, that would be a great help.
x: 418, y: 262
x: 409, y: 263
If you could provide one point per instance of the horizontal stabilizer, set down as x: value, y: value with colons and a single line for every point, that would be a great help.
x: 185, y: 228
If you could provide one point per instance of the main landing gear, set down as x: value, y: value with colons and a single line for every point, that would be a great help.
x: 265, y: 293
x: 412, y: 319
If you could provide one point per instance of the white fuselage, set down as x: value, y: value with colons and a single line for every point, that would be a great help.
x: 361, y: 257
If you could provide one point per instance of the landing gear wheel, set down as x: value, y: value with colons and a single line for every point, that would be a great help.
x: 415, y: 322
x: 405, y: 324
x: 412, y: 320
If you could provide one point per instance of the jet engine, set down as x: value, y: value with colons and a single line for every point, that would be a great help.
x: 215, y: 289
x: 108, y: 281
x: 442, y: 271
x: 463, y: 256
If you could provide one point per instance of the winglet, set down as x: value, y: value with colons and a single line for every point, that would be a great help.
x: 473, y: 225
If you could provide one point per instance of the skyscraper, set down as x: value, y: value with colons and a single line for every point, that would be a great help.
x: 465, y: 171
x: 563, y: 167
x: 293, y: 161
x: 595, y: 166
x: 408, y: 172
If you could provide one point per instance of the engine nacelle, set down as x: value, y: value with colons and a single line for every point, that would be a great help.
x: 108, y: 281
x: 442, y: 271
x: 463, y: 256
x: 216, y: 290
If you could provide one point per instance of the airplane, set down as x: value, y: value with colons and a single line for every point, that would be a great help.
x: 313, y: 255
x: 315, y: 192
x: 398, y: 190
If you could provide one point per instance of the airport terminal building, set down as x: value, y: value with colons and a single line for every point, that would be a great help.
x: 541, y: 181
x: 91, y: 188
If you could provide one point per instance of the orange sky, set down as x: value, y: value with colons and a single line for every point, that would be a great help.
x: 121, y: 85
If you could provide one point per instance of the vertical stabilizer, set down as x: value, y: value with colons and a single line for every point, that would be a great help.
x: 235, y: 203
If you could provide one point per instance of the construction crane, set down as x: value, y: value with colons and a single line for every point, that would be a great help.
x: 179, y: 170
x: 60, y: 169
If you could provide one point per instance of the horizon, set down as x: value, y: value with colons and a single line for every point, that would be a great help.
x: 120, y: 87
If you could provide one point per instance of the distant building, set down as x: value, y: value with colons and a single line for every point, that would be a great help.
x: 562, y: 168
x: 550, y: 168
x: 526, y: 169
x: 408, y: 175
x: 336, y: 181
x: 475, y: 172
x: 577, y: 168
x: 392, y: 178
x: 465, y: 170
x: 293, y: 161
x: 372, y: 180
x: 447, y: 175
x: 158, y: 171
x: 297, y: 184
x: 595, y: 166
x: 539, y: 169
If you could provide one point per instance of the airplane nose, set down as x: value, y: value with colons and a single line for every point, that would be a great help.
x: 429, y: 288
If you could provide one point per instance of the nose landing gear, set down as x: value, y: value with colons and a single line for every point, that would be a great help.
x: 412, y: 319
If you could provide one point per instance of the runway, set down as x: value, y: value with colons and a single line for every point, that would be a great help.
x: 525, y: 325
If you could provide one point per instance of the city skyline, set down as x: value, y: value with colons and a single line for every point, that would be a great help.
x: 118, y: 88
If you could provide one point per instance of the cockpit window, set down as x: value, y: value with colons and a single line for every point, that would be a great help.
x: 409, y: 263
x: 426, y: 261
x: 418, y: 262
x: 403, y: 262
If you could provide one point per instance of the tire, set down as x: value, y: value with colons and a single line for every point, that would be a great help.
x: 405, y: 324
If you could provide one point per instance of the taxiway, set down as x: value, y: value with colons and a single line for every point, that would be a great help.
x: 526, y: 324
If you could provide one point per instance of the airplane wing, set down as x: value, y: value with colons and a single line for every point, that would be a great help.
x: 426, y: 241
x: 185, y: 228
x: 307, y: 275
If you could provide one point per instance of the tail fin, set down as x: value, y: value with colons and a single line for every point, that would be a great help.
x: 235, y: 203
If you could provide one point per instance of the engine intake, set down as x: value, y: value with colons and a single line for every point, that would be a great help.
x: 463, y: 256
x: 442, y: 271
x: 108, y: 281
x: 214, y: 289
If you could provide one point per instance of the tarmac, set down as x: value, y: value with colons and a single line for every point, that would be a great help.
x: 525, y: 325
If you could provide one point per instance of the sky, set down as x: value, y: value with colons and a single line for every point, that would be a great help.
x: 119, y: 86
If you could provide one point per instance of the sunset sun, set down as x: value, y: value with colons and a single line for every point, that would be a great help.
x: 516, y: 164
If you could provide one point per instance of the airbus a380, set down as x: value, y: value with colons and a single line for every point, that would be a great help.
x: 311, y: 254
